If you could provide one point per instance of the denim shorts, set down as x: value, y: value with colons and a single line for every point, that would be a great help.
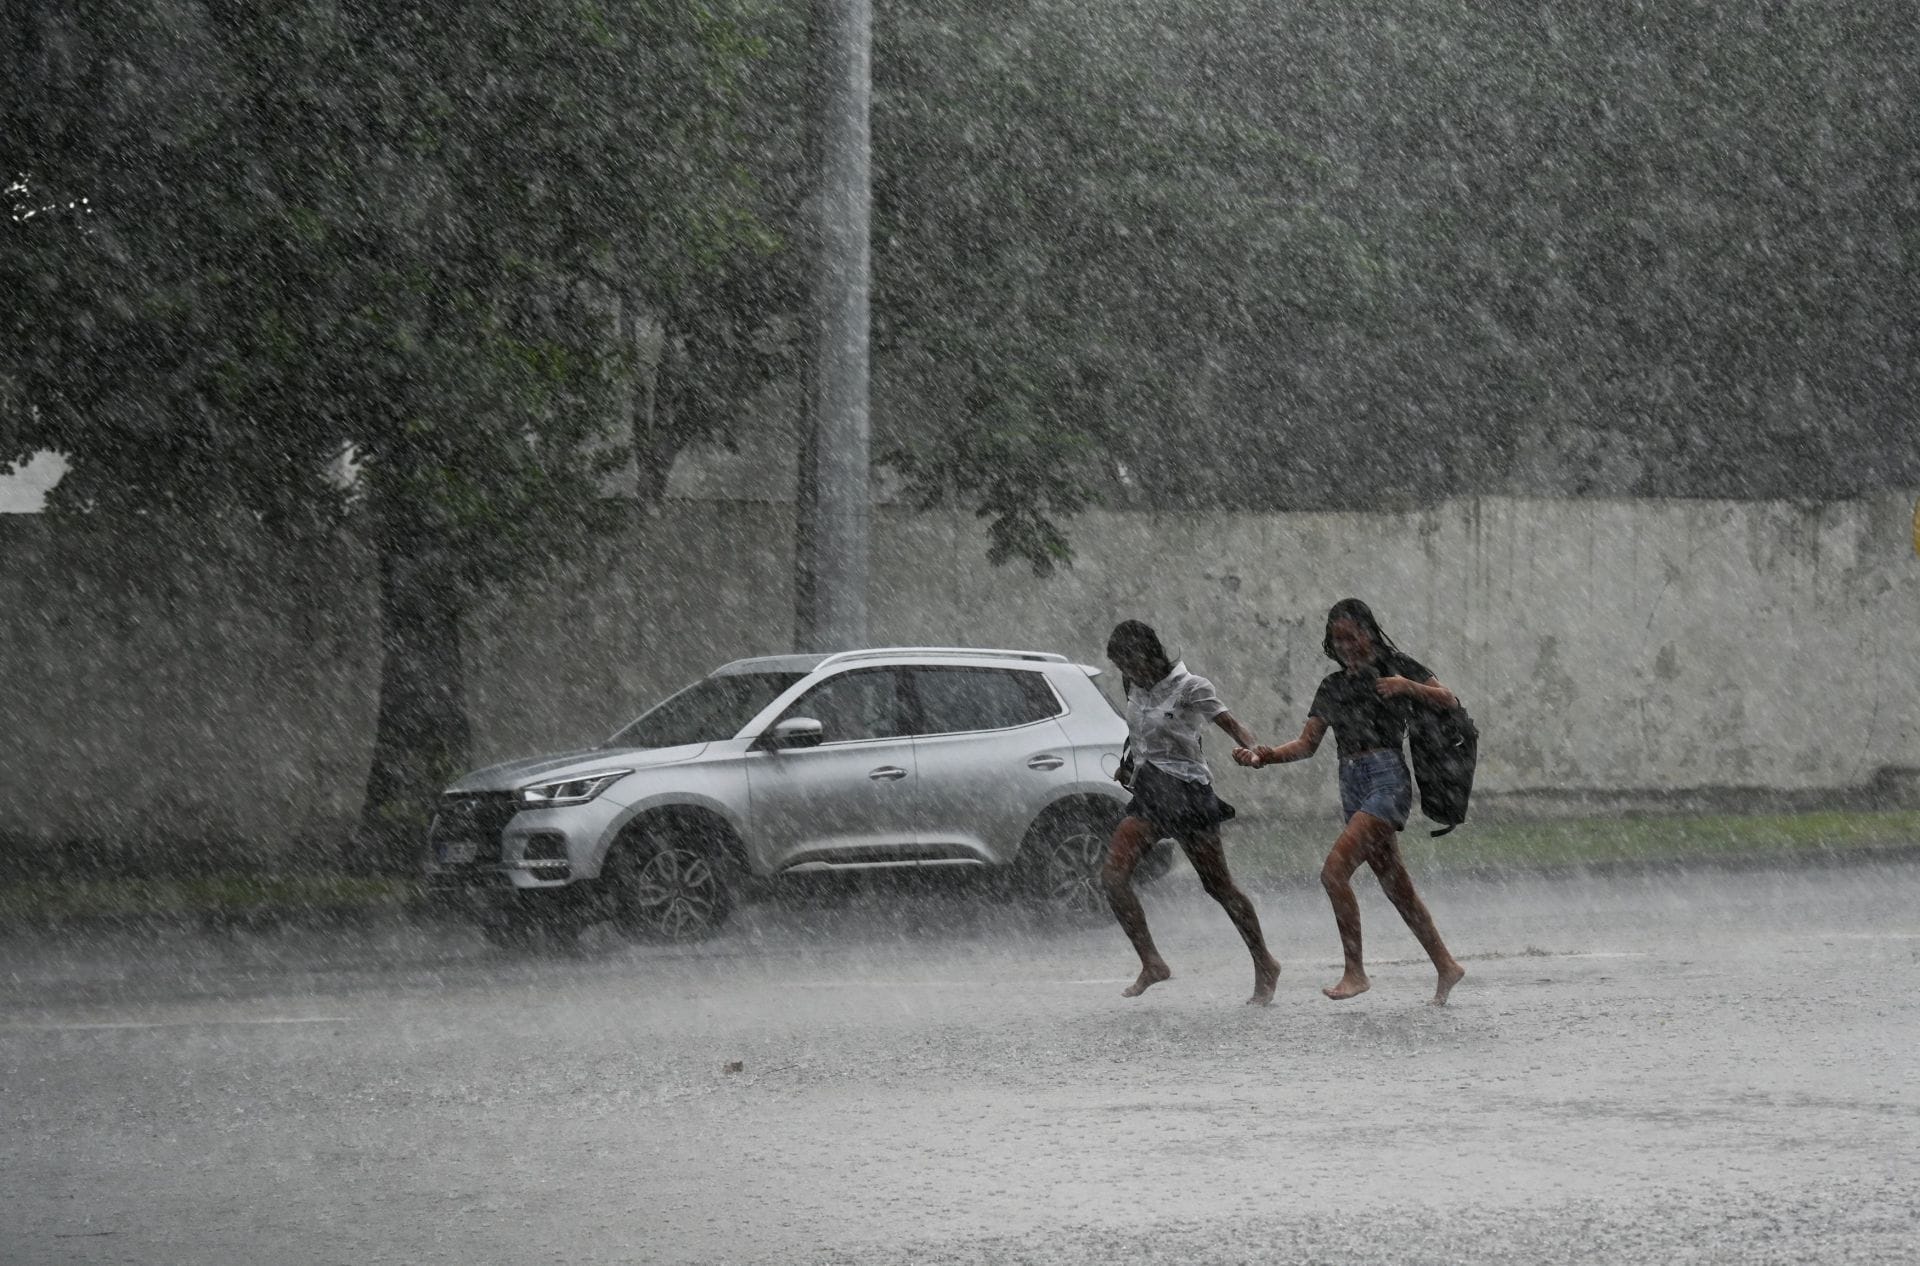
x: 1378, y: 783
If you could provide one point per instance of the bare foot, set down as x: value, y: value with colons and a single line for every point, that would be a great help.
x: 1449, y: 977
x: 1350, y: 986
x: 1266, y: 976
x: 1150, y: 974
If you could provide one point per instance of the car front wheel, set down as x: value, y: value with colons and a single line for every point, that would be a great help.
x: 669, y: 885
x: 1062, y: 860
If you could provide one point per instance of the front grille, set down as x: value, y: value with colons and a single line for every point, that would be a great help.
x: 481, y: 817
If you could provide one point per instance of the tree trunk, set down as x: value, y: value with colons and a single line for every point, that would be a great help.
x: 422, y: 739
x: 651, y: 404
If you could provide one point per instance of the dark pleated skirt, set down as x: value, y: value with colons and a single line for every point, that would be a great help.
x: 1173, y: 806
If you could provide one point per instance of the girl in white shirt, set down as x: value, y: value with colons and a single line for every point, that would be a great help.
x: 1167, y: 706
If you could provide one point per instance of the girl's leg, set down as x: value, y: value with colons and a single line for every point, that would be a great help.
x: 1131, y: 840
x: 1363, y: 834
x: 1398, y: 885
x: 1210, y: 863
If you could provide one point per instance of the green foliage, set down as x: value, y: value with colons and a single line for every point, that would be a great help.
x: 1660, y: 839
x: 1065, y: 246
x: 314, y: 228
x: 1175, y: 254
x: 1332, y: 255
x: 1637, y: 249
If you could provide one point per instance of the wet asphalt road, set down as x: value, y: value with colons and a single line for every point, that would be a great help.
x: 1703, y: 1068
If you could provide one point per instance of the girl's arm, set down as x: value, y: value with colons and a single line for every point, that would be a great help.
x: 1429, y: 692
x: 1300, y: 749
x: 1241, y: 734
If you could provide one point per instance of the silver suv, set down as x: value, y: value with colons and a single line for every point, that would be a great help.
x: 905, y: 757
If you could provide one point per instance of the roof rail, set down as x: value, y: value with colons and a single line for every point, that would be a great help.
x: 876, y: 652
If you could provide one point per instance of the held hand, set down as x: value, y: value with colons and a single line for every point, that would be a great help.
x: 1248, y: 756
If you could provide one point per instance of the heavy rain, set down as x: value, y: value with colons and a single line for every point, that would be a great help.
x: 739, y: 632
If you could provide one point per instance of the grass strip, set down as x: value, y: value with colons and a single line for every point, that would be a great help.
x: 57, y: 898
x: 1297, y: 848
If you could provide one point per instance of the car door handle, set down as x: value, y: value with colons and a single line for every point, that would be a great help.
x: 1045, y: 763
x: 888, y: 773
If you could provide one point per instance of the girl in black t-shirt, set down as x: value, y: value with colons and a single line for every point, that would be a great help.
x: 1366, y: 705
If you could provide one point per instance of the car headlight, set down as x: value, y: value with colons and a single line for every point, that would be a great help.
x: 576, y: 790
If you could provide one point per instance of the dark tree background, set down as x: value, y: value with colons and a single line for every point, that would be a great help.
x: 1627, y: 249
x: 1246, y: 255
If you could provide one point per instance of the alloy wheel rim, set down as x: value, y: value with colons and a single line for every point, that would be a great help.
x: 1073, y: 873
x: 675, y: 892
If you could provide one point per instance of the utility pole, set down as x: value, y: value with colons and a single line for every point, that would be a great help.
x: 833, y: 505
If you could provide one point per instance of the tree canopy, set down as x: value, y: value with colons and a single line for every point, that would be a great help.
x: 1635, y: 249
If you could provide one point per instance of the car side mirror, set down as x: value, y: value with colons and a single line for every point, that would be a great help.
x: 794, y: 732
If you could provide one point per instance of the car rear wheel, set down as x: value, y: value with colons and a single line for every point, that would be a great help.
x: 1063, y: 856
x: 670, y: 883
x: 1061, y: 861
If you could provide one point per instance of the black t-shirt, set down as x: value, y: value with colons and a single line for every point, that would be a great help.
x: 1361, y: 720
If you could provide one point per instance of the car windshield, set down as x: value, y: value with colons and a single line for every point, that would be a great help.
x: 710, y: 709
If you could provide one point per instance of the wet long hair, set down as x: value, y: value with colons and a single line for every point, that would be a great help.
x: 1361, y: 614
x: 1135, y: 640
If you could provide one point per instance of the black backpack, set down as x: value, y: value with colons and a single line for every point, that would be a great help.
x: 1444, y: 746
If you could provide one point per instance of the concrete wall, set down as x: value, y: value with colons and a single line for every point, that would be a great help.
x: 225, y: 688
x: 212, y: 688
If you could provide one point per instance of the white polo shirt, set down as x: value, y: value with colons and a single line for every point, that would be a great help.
x: 1164, y: 721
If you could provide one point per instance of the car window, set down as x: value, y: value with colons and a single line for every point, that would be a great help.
x: 854, y: 706
x: 708, y: 711
x: 958, y: 700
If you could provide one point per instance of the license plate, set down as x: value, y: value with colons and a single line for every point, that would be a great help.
x: 458, y: 852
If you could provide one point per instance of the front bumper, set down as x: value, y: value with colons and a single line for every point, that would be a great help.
x: 483, y: 846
